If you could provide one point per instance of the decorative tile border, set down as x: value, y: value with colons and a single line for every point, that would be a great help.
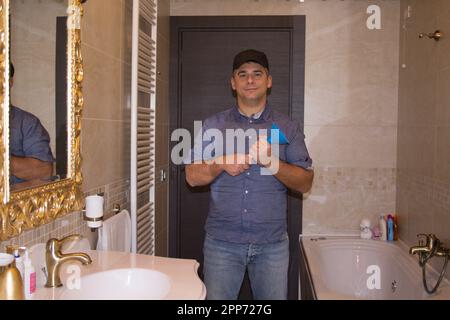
x: 341, y: 197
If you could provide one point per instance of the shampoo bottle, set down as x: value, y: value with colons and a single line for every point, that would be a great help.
x: 29, y: 277
x: 383, y: 228
x: 390, y: 228
x: 395, y: 227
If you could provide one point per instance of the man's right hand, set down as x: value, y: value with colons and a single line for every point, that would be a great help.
x: 235, y: 164
x: 203, y: 173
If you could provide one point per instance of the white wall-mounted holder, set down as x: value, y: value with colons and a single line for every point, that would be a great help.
x: 94, y: 211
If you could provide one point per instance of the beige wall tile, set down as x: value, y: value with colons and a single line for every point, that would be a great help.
x: 420, y: 96
x: 442, y: 160
x: 352, y: 147
x: 102, y: 87
x: 164, y: 18
x: 162, y: 102
x: 124, y: 112
x: 102, y: 26
x: 402, y: 209
x: 127, y: 31
x: 443, y: 96
x: 420, y: 220
x: 163, y: 54
x: 416, y: 149
x: 443, y: 23
x: 441, y: 223
x: 103, y: 152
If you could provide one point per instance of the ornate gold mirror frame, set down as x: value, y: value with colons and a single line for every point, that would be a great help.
x: 23, y: 210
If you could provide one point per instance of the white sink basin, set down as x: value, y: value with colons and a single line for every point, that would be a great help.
x: 121, y: 284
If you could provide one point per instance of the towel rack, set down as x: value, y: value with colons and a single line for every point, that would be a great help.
x: 143, y: 127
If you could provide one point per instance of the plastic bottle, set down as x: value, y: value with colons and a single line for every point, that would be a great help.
x: 390, y: 228
x: 29, y: 278
x: 395, y: 227
x: 19, y: 262
x: 366, y: 233
x: 383, y: 228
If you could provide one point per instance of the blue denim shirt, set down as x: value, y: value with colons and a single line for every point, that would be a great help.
x: 251, y: 207
x: 28, y: 138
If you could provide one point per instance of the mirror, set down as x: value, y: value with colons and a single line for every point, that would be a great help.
x: 38, y: 93
x: 41, y: 73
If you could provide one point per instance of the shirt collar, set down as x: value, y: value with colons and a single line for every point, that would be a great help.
x: 255, y: 116
x: 262, y: 115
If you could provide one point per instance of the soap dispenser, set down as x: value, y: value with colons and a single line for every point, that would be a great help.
x: 11, y: 285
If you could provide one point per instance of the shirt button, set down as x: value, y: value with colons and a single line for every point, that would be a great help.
x: 248, y: 173
x: 245, y: 210
x: 246, y: 191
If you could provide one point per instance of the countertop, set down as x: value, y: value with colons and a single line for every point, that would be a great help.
x: 185, y: 283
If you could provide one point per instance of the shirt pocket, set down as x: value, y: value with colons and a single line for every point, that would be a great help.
x: 271, y: 207
x: 225, y: 205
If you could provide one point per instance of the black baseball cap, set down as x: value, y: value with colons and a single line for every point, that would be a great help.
x: 250, y: 55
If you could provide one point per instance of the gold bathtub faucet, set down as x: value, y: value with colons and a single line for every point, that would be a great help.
x: 55, y: 258
x: 433, y: 247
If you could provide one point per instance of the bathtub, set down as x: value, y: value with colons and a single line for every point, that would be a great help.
x: 352, y: 268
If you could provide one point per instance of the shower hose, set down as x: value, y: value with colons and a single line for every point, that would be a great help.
x: 423, y: 263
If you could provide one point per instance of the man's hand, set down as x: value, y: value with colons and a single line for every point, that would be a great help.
x: 235, y: 164
x: 293, y: 177
x: 261, y: 152
x: 203, y: 173
x: 30, y: 168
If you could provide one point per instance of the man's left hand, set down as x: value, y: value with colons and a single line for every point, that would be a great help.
x: 261, y: 152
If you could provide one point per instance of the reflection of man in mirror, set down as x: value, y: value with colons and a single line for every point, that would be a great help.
x: 31, y: 155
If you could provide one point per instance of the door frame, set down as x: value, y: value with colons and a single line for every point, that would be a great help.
x: 296, y: 25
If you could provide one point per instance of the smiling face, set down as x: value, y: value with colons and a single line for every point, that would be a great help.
x: 251, y: 82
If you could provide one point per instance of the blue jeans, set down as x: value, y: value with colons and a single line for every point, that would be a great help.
x: 225, y: 264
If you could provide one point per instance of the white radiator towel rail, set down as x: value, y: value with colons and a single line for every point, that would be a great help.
x: 142, y: 195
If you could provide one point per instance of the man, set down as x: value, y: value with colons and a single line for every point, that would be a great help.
x: 31, y: 155
x: 246, y: 227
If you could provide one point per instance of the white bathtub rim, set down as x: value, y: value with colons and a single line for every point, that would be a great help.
x: 394, y: 244
x: 321, y: 290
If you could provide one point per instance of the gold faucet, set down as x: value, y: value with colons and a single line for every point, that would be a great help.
x: 55, y: 258
x: 432, y: 244
x: 433, y: 247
